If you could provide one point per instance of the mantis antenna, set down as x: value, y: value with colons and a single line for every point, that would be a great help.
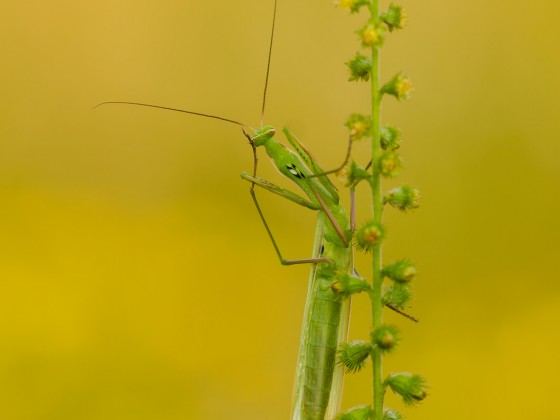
x: 268, y: 63
x: 167, y: 108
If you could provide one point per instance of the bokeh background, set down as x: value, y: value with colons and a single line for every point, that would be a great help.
x: 136, y: 281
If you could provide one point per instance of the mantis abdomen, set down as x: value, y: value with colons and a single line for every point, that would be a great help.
x: 322, y: 342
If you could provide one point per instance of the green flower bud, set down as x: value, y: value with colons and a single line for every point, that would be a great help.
x: 403, y: 198
x: 412, y: 388
x: 362, y: 412
x: 390, y: 138
x: 369, y: 235
x: 397, y: 296
x: 394, y: 18
x: 352, y: 174
x: 359, y: 126
x: 385, y: 337
x: 399, y: 86
x: 360, y: 68
x: 347, y: 285
x: 391, y: 414
x: 352, y: 356
x: 390, y: 164
x: 372, y: 35
x: 401, y: 271
x: 352, y: 5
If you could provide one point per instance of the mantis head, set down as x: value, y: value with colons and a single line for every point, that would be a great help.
x: 263, y: 135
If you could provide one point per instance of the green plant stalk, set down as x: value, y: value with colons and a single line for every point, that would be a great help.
x: 377, y: 279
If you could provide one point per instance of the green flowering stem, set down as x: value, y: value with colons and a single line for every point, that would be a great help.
x: 377, y: 278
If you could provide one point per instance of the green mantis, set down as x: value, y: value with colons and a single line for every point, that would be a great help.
x: 318, y: 383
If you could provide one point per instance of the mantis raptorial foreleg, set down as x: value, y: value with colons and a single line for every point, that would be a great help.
x: 269, y: 186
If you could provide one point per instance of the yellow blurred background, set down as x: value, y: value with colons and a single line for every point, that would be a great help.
x: 136, y: 281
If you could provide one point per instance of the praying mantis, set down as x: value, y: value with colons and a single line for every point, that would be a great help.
x: 318, y: 382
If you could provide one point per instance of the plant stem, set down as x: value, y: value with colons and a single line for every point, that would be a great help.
x: 376, y: 297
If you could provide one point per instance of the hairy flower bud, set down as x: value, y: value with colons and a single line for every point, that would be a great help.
x: 401, y: 271
x: 385, y: 337
x: 352, y: 356
x: 369, y: 235
x: 372, y: 35
x: 403, y: 198
x: 412, y: 388
x: 347, y: 285
x: 397, y: 296
x: 399, y: 86
x: 360, y: 68
x: 357, y: 173
x: 390, y: 138
x: 394, y: 18
x: 390, y: 164
x: 359, y: 126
